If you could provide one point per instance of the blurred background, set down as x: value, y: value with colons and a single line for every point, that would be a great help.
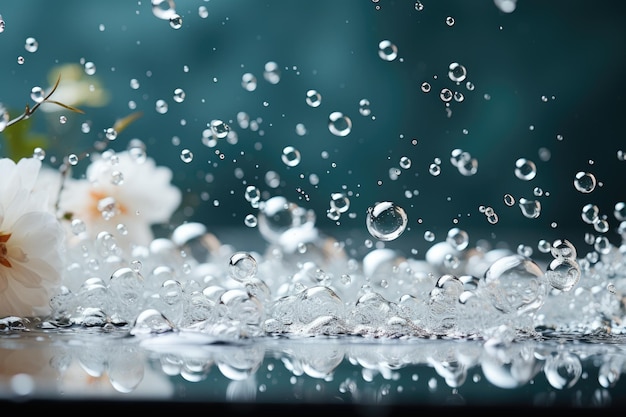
x: 544, y: 81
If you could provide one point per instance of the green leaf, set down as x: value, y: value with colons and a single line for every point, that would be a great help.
x: 20, y: 141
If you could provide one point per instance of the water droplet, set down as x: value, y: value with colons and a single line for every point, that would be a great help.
x: 242, y: 266
x: 2, y: 24
x: 110, y: 133
x: 387, y: 50
x: 186, y: 156
x: 457, y: 238
x: 248, y: 81
x: 450, y: 21
x: 219, y: 128
x: 62, y: 119
x: 250, y: 220
x: 364, y: 107
x: 179, y: 95
x: 151, y: 322
x: 339, y: 124
x: 530, y: 208
x: 31, y: 44
x: 563, y: 273
x: 564, y: 249
x: 313, y: 98
x: 90, y: 68
x: 271, y: 72
x: 163, y: 9
x: 290, y: 156
x: 161, y: 106
x: 457, y: 72
x: 176, y: 21
x: 445, y: 95
x: 509, y: 200
x: 434, y: 169
x: 419, y: 6
x: 585, y: 182
x: 20, y: 60
x: 203, y: 12
x: 386, y: 220
x: 525, y: 169
x: 405, y: 162
x: 37, y: 94
x: 426, y: 87
x: 339, y: 202
x: 73, y: 159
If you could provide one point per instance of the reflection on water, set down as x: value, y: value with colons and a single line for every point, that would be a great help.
x: 191, y: 366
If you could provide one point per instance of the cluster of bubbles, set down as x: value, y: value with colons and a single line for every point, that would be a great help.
x: 306, y: 283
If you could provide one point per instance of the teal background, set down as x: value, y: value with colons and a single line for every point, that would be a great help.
x: 573, y: 51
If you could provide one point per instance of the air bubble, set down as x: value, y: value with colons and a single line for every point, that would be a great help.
x: 386, y: 221
x: 339, y: 124
x: 248, y: 81
x: 387, y: 50
x: 585, y: 182
x: 242, y: 266
x: 179, y: 95
x: 31, y: 44
x: 457, y: 72
x: 525, y: 169
x: 313, y: 98
x: 290, y: 156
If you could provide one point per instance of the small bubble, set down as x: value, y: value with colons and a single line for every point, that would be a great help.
x: 313, y: 98
x: 585, y: 182
x: 434, y: 169
x: 509, y: 200
x: 176, y: 21
x: 134, y: 83
x: 161, y: 106
x: 37, y: 94
x: 248, y: 81
x: 339, y: 124
x: 387, y: 50
x: 62, y: 119
x: 525, y: 169
x: 39, y: 153
x: 450, y: 21
x: 179, y: 95
x: 2, y: 24
x: 20, y: 60
x: 445, y: 95
x: 31, y: 44
x: 457, y: 72
x: 425, y: 87
x: 72, y: 159
x: 90, y: 68
x: 271, y: 72
x: 219, y: 128
x: 386, y: 221
x: 250, y: 220
x: 163, y: 9
x: 419, y: 6
x: 186, y: 156
x: 203, y: 12
x: 242, y: 266
x: 290, y: 156
x: 364, y: 107
x: 110, y: 133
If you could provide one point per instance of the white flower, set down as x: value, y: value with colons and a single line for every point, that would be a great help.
x: 31, y: 242
x: 121, y: 195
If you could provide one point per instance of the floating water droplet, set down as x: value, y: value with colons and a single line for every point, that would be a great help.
x: 37, y: 94
x: 339, y: 202
x: 176, y: 21
x: 563, y: 249
x: 530, y: 208
x: 525, y: 169
x: 387, y: 50
x: 20, y: 60
x: 62, y: 119
x: 457, y: 72
x: 161, y: 106
x: 248, y: 81
x: 90, y: 68
x: 445, y: 95
x: 450, y: 21
x: 339, y: 124
x: 31, y: 44
x: 242, y: 266
x: 179, y: 95
x: 405, y: 162
x: 2, y: 24
x: 163, y: 9
x: 203, y: 12
x: 590, y: 213
x: 364, y: 107
x: 290, y: 156
x: 313, y: 98
x: 419, y: 6
x: 425, y: 87
x: 250, y: 220
x: 458, y: 238
x: 271, y: 72
x: 509, y: 200
x: 563, y: 273
x: 186, y: 156
x: 386, y: 220
x: 585, y: 182
x: 110, y: 133
x: 219, y: 128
